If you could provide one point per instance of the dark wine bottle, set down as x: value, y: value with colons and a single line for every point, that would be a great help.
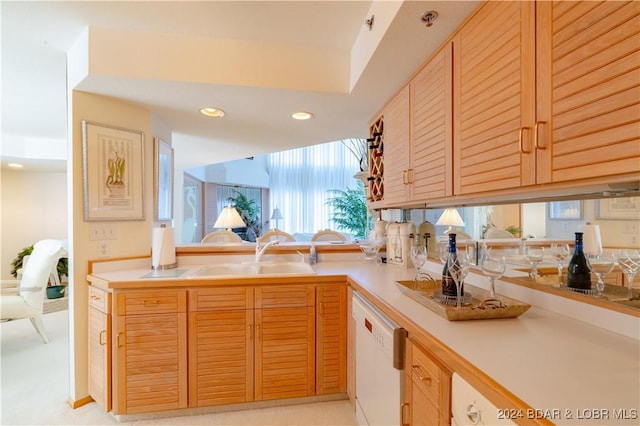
x: 578, y: 272
x: 448, y: 284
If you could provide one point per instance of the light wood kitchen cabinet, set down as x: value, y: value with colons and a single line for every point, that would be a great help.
x: 494, y: 89
x: 331, y: 339
x: 427, y: 389
x: 100, y: 347
x: 220, y: 346
x: 588, y: 90
x: 150, y: 351
x: 285, y: 342
x: 546, y: 92
x: 430, y: 171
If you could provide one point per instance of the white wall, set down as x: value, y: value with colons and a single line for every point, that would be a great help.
x: 34, y: 207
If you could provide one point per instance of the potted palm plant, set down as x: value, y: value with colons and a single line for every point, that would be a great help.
x: 62, y: 268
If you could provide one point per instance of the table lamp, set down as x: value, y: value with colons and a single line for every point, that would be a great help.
x: 276, y: 215
x: 450, y: 217
x: 229, y: 218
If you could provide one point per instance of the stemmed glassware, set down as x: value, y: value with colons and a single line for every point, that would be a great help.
x: 561, y: 254
x: 493, y: 268
x: 601, y: 265
x: 418, y: 257
x: 458, y: 268
x: 534, y: 255
x: 629, y: 262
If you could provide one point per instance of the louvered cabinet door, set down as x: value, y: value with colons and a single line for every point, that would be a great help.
x: 494, y: 89
x: 331, y: 339
x: 431, y: 129
x: 220, y: 346
x: 150, y: 357
x: 588, y: 98
x: 284, y: 341
x: 100, y: 358
x: 396, y: 149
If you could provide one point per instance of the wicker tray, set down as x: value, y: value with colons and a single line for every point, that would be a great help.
x: 480, y: 307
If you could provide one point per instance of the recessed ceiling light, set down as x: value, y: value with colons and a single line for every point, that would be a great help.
x: 301, y: 115
x: 15, y: 165
x: 212, y: 112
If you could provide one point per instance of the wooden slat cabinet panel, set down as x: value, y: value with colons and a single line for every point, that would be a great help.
x: 285, y: 296
x: 99, y: 353
x: 431, y: 114
x: 150, y: 352
x: 221, y: 346
x: 427, y: 388
x: 588, y: 92
x: 331, y: 339
x: 494, y: 85
x: 396, y: 149
x: 284, y: 353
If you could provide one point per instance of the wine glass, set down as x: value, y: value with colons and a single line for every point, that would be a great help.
x: 629, y: 262
x: 600, y: 266
x: 560, y: 253
x: 534, y: 256
x: 458, y: 268
x: 493, y: 268
x: 418, y: 257
x: 443, y: 251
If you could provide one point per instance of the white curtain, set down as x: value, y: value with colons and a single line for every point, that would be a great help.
x: 299, y: 181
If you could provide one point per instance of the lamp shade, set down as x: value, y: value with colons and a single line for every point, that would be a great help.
x: 229, y: 218
x: 450, y: 217
x: 276, y: 215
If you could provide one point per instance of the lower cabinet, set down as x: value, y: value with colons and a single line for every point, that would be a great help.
x: 427, y: 389
x: 150, y: 351
x: 100, y: 347
x: 198, y: 347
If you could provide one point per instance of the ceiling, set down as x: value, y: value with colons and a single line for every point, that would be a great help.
x: 258, y: 60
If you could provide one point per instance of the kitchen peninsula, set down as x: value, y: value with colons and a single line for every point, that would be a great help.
x: 560, y: 362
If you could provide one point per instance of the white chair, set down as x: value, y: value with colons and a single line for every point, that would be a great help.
x: 221, y: 237
x: 328, y: 235
x: 26, y: 298
x: 275, y: 235
x: 495, y: 233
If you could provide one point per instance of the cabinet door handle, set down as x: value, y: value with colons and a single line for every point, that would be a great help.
x: 118, y: 339
x: 258, y: 335
x: 250, y: 327
x: 522, y: 129
x: 150, y: 303
x: 95, y: 297
x: 405, y: 179
x: 535, y: 134
x: 409, y: 176
x: 103, y: 333
x: 321, y: 309
x: 402, y: 422
x: 416, y: 369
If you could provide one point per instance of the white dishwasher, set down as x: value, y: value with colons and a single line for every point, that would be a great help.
x: 380, y: 349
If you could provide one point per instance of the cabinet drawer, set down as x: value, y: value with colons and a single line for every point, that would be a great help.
x: 425, y: 373
x: 151, y: 302
x: 286, y: 296
x: 220, y: 299
x: 100, y: 299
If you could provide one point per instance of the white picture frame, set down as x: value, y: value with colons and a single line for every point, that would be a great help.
x: 618, y: 208
x: 113, y: 172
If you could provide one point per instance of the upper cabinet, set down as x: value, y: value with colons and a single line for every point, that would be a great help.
x: 546, y: 92
x: 494, y: 85
x: 525, y: 96
x: 588, y: 89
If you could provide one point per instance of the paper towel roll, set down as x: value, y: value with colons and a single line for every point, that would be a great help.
x: 163, y: 250
x: 591, y: 241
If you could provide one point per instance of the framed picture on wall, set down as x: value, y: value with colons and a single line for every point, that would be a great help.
x: 113, y: 172
x: 163, y: 180
x: 619, y: 208
x: 565, y: 210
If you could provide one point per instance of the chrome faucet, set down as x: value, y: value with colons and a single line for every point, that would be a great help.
x: 260, y: 251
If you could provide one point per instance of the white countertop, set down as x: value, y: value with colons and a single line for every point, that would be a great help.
x: 550, y: 361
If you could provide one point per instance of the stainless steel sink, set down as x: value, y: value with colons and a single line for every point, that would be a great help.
x: 253, y: 269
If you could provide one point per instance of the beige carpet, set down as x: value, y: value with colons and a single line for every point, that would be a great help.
x: 35, y: 382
